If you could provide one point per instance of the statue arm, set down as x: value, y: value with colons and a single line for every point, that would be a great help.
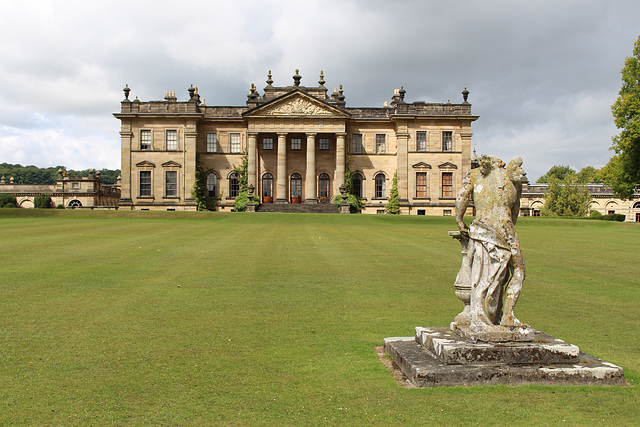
x: 462, y: 201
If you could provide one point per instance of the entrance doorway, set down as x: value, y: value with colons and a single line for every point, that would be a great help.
x: 267, y: 188
x: 323, y: 188
x: 296, y: 188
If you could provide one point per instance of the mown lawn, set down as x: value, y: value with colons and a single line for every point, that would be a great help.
x: 171, y: 318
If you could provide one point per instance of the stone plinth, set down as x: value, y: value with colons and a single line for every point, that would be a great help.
x: 494, y: 334
x: 439, y: 357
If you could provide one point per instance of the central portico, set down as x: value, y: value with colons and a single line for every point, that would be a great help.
x: 299, y: 142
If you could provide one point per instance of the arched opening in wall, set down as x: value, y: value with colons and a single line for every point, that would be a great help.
x: 212, y: 185
x: 234, y: 184
x: 356, y: 185
x: 636, y: 206
x: 26, y: 203
x: 267, y: 188
x: 611, y: 208
x: 296, y: 188
x: 323, y: 188
x: 74, y: 204
x: 381, y: 185
x: 536, y: 207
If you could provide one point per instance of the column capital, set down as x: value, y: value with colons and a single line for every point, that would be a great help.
x: 252, y: 133
x: 283, y: 134
x: 311, y: 133
x: 342, y: 134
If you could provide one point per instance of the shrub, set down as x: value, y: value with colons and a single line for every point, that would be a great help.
x: 613, y: 217
x: 9, y: 205
x: 8, y: 198
x: 595, y: 214
x: 42, y: 201
x: 60, y: 206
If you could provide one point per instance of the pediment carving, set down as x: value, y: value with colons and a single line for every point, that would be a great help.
x: 448, y: 165
x: 298, y: 107
x: 145, y: 164
x: 422, y: 165
x: 171, y: 164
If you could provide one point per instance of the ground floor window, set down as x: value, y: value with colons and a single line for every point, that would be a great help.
x: 145, y: 183
x: 296, y: 188
x: 421, y: 184
x: 536, y: 212
x: 267, y: 188
x: 381, y: 183
x: 610, y: 212
x: 638, y: 217
x: 74, y: 204
x: 212, y: 185
x: 380, y: 211
x: 446, y: 212
x: 234, y: 184
x: 323, y: 185
x: 422, y: 212
x: 447, y: 184
x: 356, y: 185
x: 171, y: 184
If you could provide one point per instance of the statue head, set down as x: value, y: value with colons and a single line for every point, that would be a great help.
x: 515, y: 171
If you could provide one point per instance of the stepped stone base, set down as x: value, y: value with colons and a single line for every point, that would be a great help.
x: 439, y: 357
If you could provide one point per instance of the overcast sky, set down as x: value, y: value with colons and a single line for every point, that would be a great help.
x: 542, y: 75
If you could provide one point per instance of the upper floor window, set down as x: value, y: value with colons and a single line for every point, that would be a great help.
x: 234, y: 184
x: 212, y: 143
x: 145, y: 139
x: 75, y: 185
x: 447, y: 184
x: 172, y: 139
x: 381, y: 143
x: 235, y: 143
x: 421, y: 140
x: 324, y: 143
x: 356, y: 185
x: 381, y: 185
x: 267, y: 143
x: 447, y: 141
x: 421, y: 184
x: 356, y: 143
x: 171, y: 184
x: 296, y: 144
x: 212, y: 185
x: 145, y: 183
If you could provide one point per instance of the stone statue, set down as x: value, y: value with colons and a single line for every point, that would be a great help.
x: 493, y: 265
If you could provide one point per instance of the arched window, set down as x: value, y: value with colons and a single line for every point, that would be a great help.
x: 212, y: 185
x: 267, y: 188
x: 356, y: 185
x: 381, y: 185
x: 323, y: 185
x: 234, y: 184
x: 296, y: 188
x: 636, y: 205
x: 74, y: 204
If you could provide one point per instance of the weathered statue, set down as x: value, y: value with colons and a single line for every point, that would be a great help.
x: 493, y: 264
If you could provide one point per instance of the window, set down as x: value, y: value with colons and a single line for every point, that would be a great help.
x: 422, y: 212
x: 296, y: 144
x: 145, y: 139
x: 356, y: 143
x: 296, y: 187
x: 421, y: 184
x: 381, y: 144
x: 610, y: 212
x: 324, y: 143
x: 212, y: 185
x: 234, y: 184
x: 235, y: 142
x: 323, y: 185
x: 171, y: 184
x: 267, y: 143
x: 381, y: 184
x: 446, y: 212
x: 267, y: 188
x: 172, y: 140
x: 536, y: 212
x: 212, y: 143
x: 75, y: 185
x: 356, y: 185
x: 447, y: 141
x: 421, y: 140
x: 75, y: 204
x: 380, y: 211
x: 447, y: 184
x: 145, y: 183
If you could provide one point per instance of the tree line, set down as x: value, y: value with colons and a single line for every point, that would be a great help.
x: 35, y: 175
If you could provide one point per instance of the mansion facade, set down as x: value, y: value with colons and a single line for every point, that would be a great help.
x: 299, y: 142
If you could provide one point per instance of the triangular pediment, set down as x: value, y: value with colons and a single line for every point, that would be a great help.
x: 145, y: 164
x: 422, y: 165
x: 171, y: 164
x: 296, y: 104
x: 448, y: 165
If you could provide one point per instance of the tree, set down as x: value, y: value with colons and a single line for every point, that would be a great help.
x: 42, y: 201
x: 393, y: 205
x: 588, y: 175
x: 199, y: 191
x: 560, y: 172
x: 355, y: 204
x: 242, y: 199
x: 623, y: 170
x: 566, y: 198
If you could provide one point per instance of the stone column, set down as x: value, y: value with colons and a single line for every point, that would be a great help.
x: 341, y: 160
x: 310, y: 191
x: 189, y: 170
x: 465, y: 137
x: 281, y: 191
x: 126, y: 170
x: 402, y: 166
x: 252, y: 138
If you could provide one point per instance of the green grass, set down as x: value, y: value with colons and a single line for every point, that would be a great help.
x: 133, y: 318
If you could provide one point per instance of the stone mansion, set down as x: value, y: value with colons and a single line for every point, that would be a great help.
x: 299, y: 141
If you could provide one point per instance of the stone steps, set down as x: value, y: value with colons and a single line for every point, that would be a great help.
x: 298, y: 208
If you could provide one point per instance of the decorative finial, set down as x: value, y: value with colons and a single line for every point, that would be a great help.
x: 269, y: 79
x: 465, y: 95
x: 192, y: 91
x: 126, y: 92
x: 321, y: 82
x: 340, y: 94
x: 296, y: 78
x: 401, y: 92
